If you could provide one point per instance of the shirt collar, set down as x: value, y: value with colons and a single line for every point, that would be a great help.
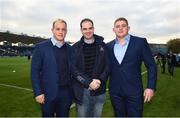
x: 53, y: 41
x: 57, y: 43
x: 89, y: 41
x: 127, y: 38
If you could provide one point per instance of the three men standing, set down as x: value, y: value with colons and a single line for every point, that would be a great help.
x: 89, y: 62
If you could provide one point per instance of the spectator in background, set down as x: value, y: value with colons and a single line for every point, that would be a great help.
x: 171, y: 62
x: 29, y: 55
x: 159, y: 60
x: 163, y: 61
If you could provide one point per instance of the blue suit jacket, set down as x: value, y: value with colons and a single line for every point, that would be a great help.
x: 44, y: 73
x: 126, y: 77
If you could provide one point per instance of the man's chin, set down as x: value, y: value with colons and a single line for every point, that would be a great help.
x: 121, y: 36
x: 88, y: 37
x: 60, y: 39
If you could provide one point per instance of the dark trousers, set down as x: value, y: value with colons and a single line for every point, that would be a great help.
x: 171, y: 69
x: 163, y: 67
x: 60, y: 106
x: 127, y: 106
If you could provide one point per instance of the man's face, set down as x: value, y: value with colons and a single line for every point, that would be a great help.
x: 87, y: 30
x: 59, y: 31
x: 121, y: 29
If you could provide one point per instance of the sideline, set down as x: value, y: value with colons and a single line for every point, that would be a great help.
x: 27, y: 89
x: 16, y: 87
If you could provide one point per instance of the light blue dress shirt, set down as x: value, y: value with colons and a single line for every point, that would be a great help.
x: 120, y: 50
x: 56, y: 43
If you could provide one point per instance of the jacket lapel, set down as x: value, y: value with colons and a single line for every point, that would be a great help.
x: 51, y: 54
x: 112, y: 52
x: 129, y: 48
x: 69, y: 55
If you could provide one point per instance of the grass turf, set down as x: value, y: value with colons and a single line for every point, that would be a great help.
x: 20, y: 103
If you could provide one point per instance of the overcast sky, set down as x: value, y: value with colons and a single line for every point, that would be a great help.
x: 157, y: 20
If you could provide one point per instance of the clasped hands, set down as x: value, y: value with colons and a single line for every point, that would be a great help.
x: 95, y: 84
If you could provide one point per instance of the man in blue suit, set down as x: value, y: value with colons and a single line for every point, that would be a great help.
x: 127, y: 53
x: 50, y: 73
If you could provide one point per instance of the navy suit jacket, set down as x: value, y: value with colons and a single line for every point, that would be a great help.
x: 126, y: 77
x: 44, y: 73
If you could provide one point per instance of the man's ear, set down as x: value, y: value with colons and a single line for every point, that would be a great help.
x: 113, y: 29
x: 128, y: 28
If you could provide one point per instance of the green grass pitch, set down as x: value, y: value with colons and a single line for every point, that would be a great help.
x: 19, y: 102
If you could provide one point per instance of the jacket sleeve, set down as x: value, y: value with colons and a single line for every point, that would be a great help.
x: 36, y: 66
x: 79, y: 76
x: 150, y: 65
x: 104, y: 75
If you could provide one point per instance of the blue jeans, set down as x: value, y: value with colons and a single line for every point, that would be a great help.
x: 91, y: 105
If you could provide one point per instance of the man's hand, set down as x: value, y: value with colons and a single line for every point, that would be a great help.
x: 95, y: 84
x: 148, y: 94
x: 40, y: 99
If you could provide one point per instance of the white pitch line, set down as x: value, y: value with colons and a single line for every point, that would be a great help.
x: 72, y: 106
x: 16, y: 87
x: 144, y: 72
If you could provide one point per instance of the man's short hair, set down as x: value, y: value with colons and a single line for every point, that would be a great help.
x: 59, y: 20
x: 86, y: 20
x: 121, y: 19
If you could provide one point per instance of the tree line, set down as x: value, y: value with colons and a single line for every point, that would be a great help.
x: 174, y: 45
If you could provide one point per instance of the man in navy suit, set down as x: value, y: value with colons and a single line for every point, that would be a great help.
x: 127, y: 53
x: 50, y: 73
